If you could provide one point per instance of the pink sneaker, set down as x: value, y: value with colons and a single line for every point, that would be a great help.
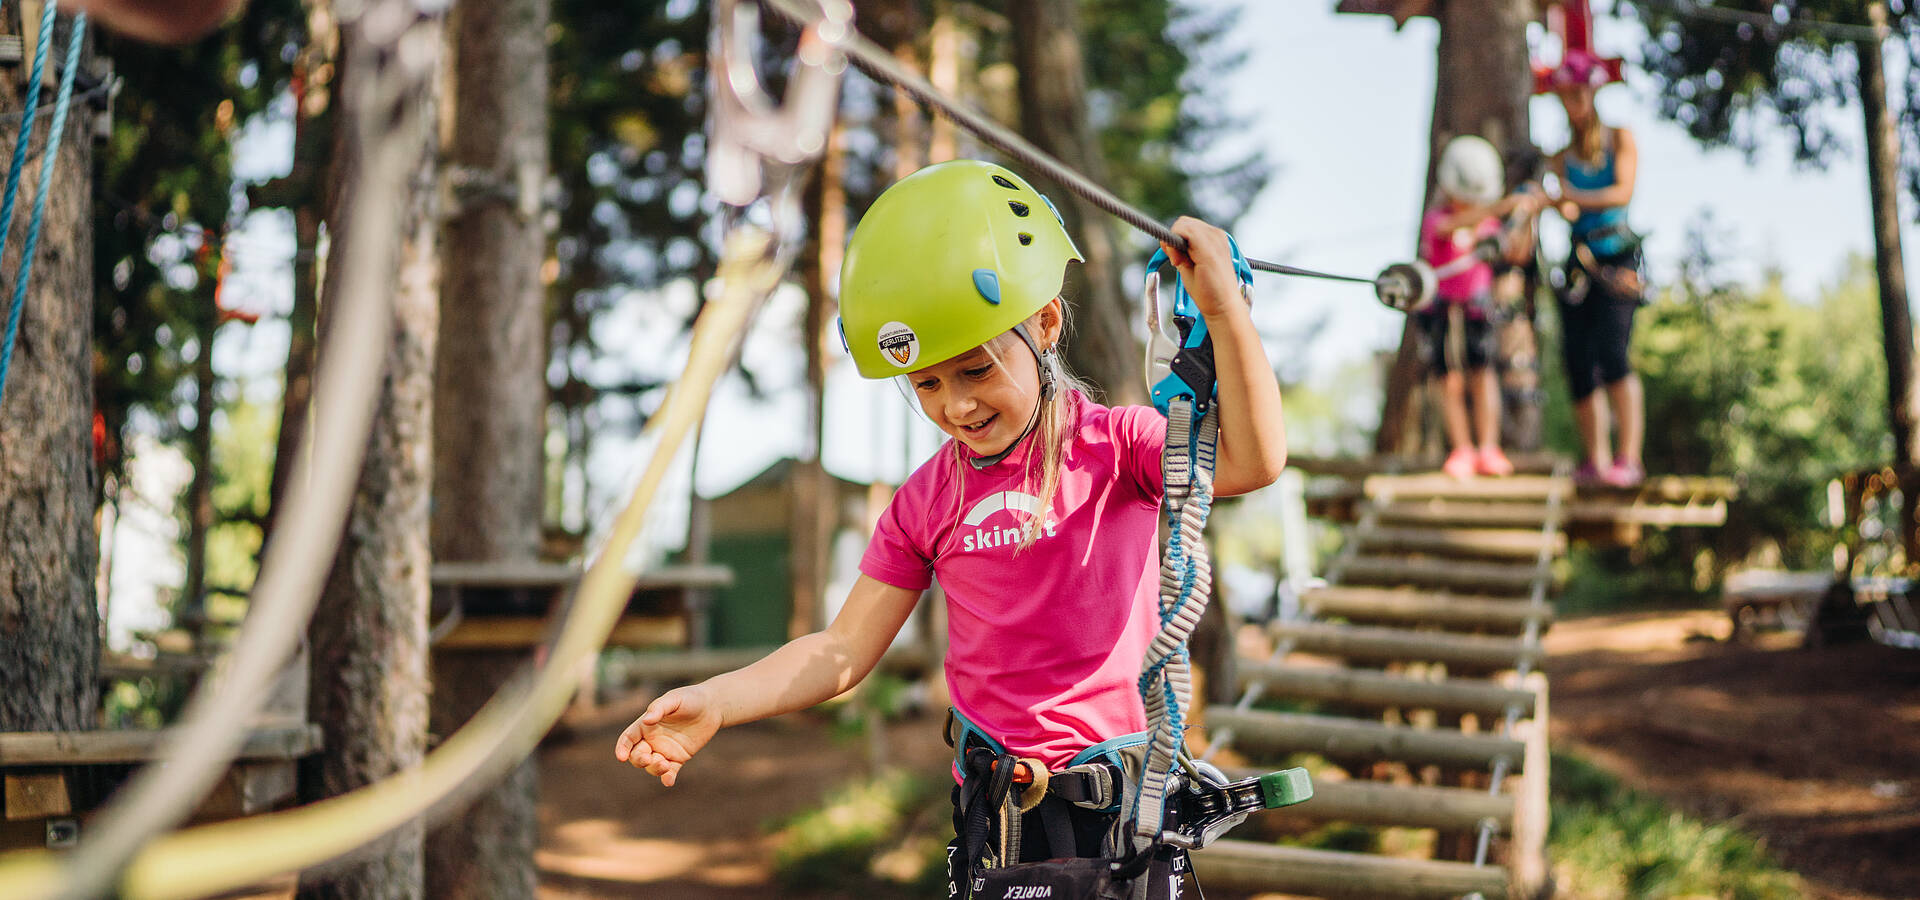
x: 1461, y: 463
x: 1493, y: 462
x: 1626, y: 475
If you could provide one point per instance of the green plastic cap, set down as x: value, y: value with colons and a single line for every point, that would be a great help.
x: 1286, y: 788
x: 947, y: 259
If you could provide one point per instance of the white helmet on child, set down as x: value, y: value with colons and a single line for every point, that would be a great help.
x: 1470, y: 170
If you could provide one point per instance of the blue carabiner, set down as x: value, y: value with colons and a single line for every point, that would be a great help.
x: 1191, y: 372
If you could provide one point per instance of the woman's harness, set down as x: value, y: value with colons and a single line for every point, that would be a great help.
x: 1149, y: 801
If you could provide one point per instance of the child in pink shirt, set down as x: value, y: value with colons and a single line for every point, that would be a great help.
x: 1457, y: 334
x: 1038, y: 517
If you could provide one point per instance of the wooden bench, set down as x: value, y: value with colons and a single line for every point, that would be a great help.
x: 1772, y: 600
x: 512, y: 605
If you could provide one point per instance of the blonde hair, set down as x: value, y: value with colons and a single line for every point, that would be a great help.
x: 1052, y: 431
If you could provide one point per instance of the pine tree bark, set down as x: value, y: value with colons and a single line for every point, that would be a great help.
x: 1053, y: 115
x: 49, y: 546
x: 368, y: 637
x: 490, y: 392
x: 1482, y: 85
x: 1896, y: 318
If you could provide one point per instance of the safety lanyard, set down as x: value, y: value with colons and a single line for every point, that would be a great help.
x: 1186, y: 395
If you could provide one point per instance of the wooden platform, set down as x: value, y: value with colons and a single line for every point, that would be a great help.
x: 51, y: 780
x: 1415, y: 496
x: 501, y: 606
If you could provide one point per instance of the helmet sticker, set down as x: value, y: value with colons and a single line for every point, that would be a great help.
x: 900, y: 344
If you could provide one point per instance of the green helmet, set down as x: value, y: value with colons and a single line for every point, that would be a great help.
x: 947, y: 259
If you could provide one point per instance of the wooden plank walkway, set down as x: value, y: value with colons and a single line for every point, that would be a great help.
x: 1414, y: 670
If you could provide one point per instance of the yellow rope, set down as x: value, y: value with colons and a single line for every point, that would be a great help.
x: 212, y: 859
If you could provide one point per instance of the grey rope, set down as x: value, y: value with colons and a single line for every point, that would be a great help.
x: 877, y: 63
x: 1186, y: 582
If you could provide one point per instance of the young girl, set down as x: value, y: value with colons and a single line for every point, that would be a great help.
x: 1596, y: 173
x: 1457, y: 334
x: 1039, y: 517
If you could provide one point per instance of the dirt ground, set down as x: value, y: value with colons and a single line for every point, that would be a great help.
x: 1816, y: 751
x: 611, y: 831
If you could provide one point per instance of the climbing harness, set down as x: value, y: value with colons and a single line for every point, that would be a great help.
x: 52, y: 155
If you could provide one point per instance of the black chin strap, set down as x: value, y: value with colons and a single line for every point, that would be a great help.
x: 1045, y: 361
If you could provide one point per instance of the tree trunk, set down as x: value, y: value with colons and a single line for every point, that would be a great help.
x: 368, y: 638
x: 1481, y: 87
x: 49, y: 547
x: 300, y: 191
x: 190, y: 610
x: 813, y: 509
x: 490, y: 391
x: 1896, y: 320
x: 1053, y: 115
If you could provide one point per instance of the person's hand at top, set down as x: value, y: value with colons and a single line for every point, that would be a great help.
x: 674, y: 727
x: 1206, y: 268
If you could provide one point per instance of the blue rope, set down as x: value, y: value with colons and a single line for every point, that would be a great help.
x: 48, y: 160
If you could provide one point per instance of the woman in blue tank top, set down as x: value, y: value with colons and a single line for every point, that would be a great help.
x: 1603, y: 286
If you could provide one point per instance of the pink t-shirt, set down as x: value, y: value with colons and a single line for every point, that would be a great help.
x: 1044, y: 644
x: 1440, y: 248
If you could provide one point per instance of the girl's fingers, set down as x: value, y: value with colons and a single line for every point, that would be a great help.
x: 660, y: 709
x: 623, y: 748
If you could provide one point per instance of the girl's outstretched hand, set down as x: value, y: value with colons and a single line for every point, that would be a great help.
x: 1206, y: 268
x: 674, y: 727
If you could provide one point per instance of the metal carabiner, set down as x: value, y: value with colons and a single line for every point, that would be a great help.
x: 1188, y: 369
x: 757, y: 149
x: 1161, y: 347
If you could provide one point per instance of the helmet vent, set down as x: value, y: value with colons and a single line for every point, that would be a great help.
x: 1026, y: 240
x: 1002, y: 181
x: 1019, y: 209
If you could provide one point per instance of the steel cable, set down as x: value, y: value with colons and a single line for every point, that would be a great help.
x: 877, y: 63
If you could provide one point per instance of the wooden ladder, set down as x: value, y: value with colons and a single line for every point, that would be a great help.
x: 1417, y: 669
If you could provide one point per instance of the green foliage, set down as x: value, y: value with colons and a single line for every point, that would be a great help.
x: 243, y: 448
x: 1610, y: 842
x: 146, y: 703
x: 838, y: 843
x: 1726, y: 82
x: 1781, y: 394
x: 164, y: 193
x: 1151, y: 65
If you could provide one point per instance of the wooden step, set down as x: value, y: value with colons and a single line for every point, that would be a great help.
x: 1379, y: 690
x: 1434, y: 484
x: 1383, y: 605
x: 1501, y: 578
x: 1462, y: 512
x: 1357, y: 741
x: 1500, y: 543
x: 1404, y: 805
x: 1249, y: 866
x: 1380, y: 645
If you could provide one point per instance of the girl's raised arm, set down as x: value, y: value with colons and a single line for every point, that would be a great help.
x: 1253, y: 436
